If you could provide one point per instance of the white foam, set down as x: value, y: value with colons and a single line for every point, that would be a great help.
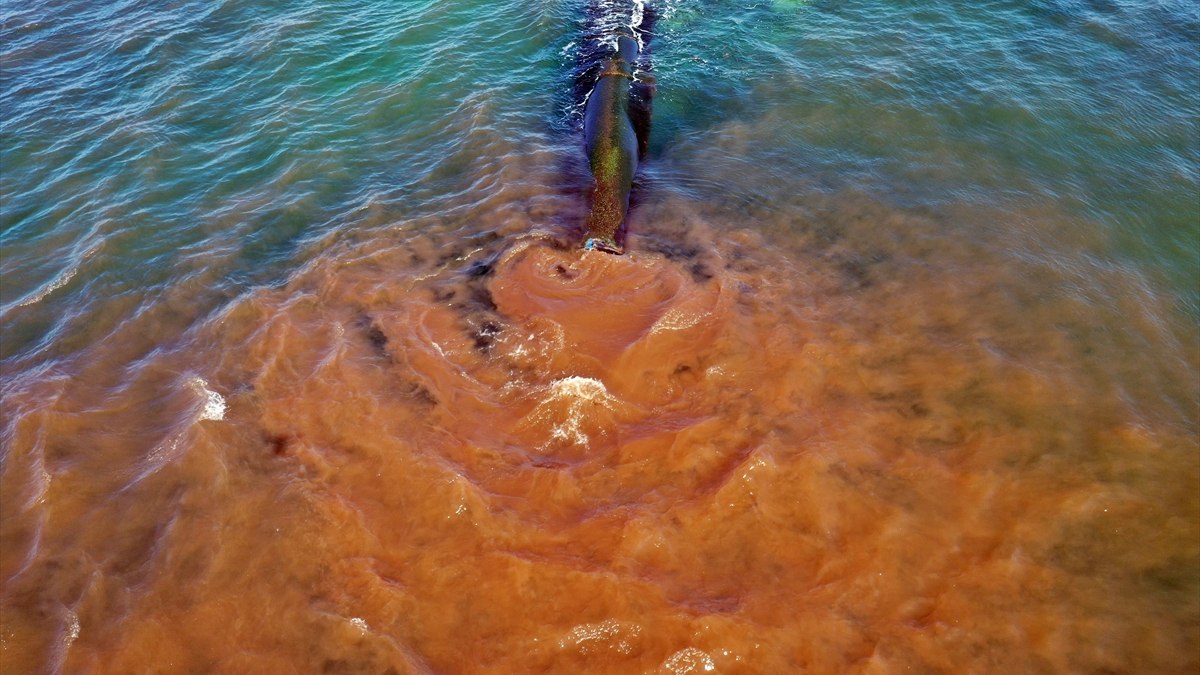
x: 689, y: 660
x: 639, y: 11
x: 72, y: 631
x: 589, y: 636
x: 214, y: 405
x: 578, y: 392
x: 612, y: 23
x: 576, y: 387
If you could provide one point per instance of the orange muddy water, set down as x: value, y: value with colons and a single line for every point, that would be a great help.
x: 723, y: 452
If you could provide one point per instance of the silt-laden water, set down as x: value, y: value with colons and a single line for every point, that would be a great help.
x: 302, y: 372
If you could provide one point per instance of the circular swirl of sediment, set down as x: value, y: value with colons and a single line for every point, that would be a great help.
x: 605, y: 371
x: 633, y: 322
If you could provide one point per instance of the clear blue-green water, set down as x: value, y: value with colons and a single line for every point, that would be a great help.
x: 145, y: 142
x: 164, y: 165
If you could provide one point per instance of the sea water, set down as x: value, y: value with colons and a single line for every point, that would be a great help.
x: 302, y: 371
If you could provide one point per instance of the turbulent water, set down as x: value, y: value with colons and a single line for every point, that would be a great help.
x: 303, y: 371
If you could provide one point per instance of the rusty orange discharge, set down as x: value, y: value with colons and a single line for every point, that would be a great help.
x: 538, y: 460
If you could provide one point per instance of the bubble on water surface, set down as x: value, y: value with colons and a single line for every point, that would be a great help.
x: 214, y: 404
x: 689, y: 660
x: 579, y: 393
x: 606, y: 635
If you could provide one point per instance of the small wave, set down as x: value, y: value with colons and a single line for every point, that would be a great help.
x: 58, y: 282
x: 612, y: 19
x: 609, y: 635
x: 174, y: 446
x: 61, y: 279
x: 72, y: 630
x: 214, y: 404
x: 689, y: 660
x: 579, y: 393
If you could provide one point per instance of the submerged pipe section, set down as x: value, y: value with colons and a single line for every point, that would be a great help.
x: 616, y: 121
x: 611, y: 146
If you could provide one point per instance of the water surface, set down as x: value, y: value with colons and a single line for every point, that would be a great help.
x: 301, y: 372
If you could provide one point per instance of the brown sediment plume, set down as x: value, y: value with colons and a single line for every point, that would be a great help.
x: 715, y: 454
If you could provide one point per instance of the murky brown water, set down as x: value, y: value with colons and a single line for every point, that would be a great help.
x: 866, y: 448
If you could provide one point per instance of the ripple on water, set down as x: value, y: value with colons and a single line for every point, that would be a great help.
x: 497, y: 448
x: 866, y: 439
x: 739, y: 448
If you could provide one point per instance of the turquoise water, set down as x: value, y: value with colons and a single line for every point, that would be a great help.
x: 965, y: 237
x: 143, y: 142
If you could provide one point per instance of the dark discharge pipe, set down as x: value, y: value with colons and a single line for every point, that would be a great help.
x: 616, y: 122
